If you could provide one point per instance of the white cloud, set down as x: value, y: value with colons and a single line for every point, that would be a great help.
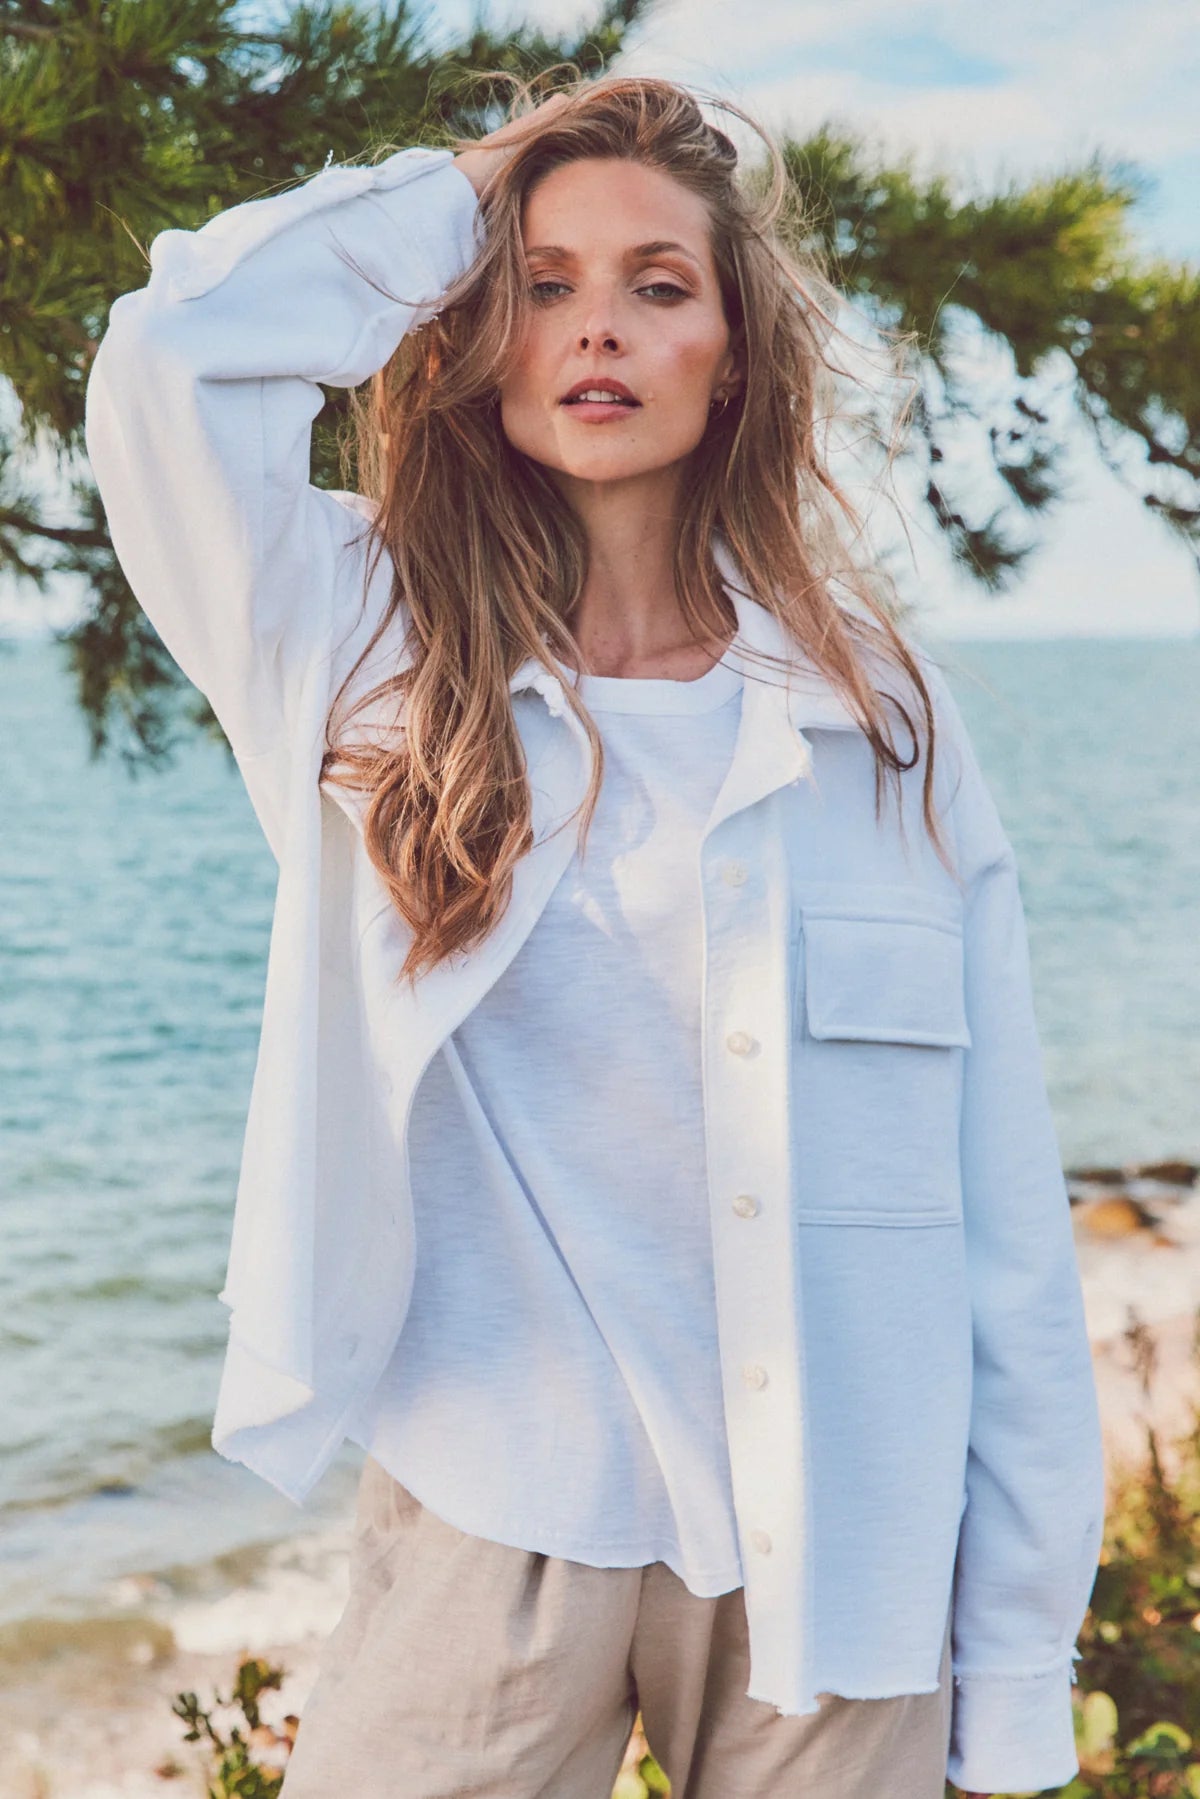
x: 1069, y: 78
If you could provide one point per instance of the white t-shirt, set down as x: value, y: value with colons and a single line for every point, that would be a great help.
x: 557, y: 1382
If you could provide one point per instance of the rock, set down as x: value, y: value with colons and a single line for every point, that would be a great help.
x: 1175, y: 1174
x: 1119, y: 1217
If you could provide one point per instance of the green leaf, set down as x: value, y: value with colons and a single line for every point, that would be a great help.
x: 654, y: 1777
x: 1095, y: 1725
x: 1163, y: 1741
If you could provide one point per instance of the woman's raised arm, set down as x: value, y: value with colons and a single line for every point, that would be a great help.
x: 200, y: 405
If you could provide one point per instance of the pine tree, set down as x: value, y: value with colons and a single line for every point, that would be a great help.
x: 119, y: 118
x: 1047, y: 270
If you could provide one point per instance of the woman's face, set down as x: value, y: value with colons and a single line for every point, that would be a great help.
x: 624, y: 288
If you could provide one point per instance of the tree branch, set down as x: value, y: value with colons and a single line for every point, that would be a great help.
x: 81, y: 536
x: 20, y: 28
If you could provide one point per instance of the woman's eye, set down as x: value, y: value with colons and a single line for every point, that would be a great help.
x: 665, y: 287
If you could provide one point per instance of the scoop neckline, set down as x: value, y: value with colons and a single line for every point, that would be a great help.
x: 657, y: 693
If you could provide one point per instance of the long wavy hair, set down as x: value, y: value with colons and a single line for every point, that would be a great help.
x: 447, y: 808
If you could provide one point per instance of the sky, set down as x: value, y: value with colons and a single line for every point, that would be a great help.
x: 987, y: 96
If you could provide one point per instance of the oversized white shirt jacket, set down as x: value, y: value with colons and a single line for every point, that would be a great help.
x: 903, y: 1266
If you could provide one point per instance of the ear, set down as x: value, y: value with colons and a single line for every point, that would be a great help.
x: 730, y: 377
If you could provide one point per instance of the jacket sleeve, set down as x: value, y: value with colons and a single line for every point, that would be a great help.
x: 1035, y: 1479
x: 198, y: 418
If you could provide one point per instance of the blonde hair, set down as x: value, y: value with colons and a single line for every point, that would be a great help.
x: 448, y: 808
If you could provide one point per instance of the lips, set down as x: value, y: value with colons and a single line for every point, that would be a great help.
x: 606, y: 386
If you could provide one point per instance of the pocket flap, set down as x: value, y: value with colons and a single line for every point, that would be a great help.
x: 884, y: 979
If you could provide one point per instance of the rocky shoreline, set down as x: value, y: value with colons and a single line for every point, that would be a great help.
x: 1139, y: 1196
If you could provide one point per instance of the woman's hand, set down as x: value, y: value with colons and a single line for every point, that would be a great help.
x: 478, y: 163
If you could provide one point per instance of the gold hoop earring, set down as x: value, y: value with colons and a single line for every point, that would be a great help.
x: 718, y: 411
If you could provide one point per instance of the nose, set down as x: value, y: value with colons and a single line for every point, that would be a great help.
x: 606, y: 338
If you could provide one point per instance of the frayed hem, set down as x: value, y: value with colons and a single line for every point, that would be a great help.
x: 803, y: 1711
x: 891, y: 1693
x: 808, y: 1711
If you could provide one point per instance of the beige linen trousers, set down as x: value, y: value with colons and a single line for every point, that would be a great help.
x: 462, y: 1668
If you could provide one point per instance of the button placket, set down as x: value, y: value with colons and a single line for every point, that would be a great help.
x: 746, y: 1072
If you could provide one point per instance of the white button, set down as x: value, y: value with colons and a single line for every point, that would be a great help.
x: 734, y: 873
x: 761, y: 1541
x: 745, y: 1205
x: 753, y: 1375
x: 740, y: 1042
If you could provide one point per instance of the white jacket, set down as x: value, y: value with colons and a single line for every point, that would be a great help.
x: 872, y: 1070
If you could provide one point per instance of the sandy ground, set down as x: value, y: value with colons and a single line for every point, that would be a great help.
x: 73, y: 1729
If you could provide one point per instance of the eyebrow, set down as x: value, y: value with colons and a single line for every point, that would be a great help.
x: 657, y: 246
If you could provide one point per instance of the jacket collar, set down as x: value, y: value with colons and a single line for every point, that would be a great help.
x: 778, y: 703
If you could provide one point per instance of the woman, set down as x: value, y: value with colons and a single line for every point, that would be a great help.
x: 671, y: 1206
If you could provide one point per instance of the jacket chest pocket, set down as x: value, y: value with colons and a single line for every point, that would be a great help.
x: 880, y: 1025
